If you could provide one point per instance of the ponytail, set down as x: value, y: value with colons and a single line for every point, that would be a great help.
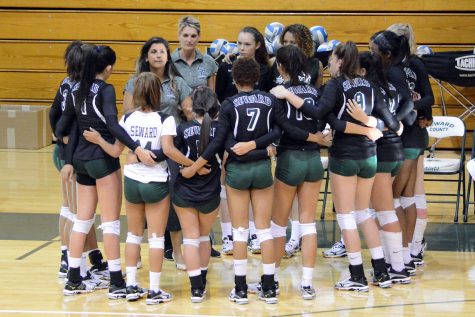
x: 348, y: 53
x: 95, y: 60
x: 205, y: 104
x: 293, y: 60
x: 73, y: 59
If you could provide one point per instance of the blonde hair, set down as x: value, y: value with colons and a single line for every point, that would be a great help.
x: 189, y: 21
x: 406, y: 30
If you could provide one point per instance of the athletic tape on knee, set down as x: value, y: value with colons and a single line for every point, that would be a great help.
x: 191, y: 242
x: 386, y: 217
x: 204, y: 239
x: 397, y: 203
x: 240, y: 234
x: 264, y: 234
x: 421, y: 202
x: 133, y: 239
x: 156, y: 242
x: 362, y: 215
x: 278, y: 231
x: 307, y: 228
x: 83, y: 226
x: 110, y: 227
x: 407, y: 201
x: 346, y: 221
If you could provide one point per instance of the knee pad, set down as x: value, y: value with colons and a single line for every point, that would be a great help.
x: 346, y: 221
x: 204, y: 239
x: 156, y: 242
x: 362, y: 215
x: 307, y: 228
x: 278, y: 231
x: 222, y: 194
x: 397, y: 203
x: 264, y: 235
x: 240, y: 234
x: 71, y: 216
x: 371, y: 212
x: 64, y: 212
x: 133, y: 239
x: 191, y: 242
x: 386, y: 217
x: 83, y: 226
x: 111, y: 227
x: 407, y: 201
x: 420, y: 201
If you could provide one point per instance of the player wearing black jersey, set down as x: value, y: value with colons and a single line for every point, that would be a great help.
x: 251, y: 44
x: 390, y: 155
x: 73, y: 58
x: 197, y: 199
x: 416, y: 136
x: 98, y: 174
x: 246, y: 123
x: 353, y: 165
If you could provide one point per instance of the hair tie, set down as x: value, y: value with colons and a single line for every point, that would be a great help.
x: 98, y: 48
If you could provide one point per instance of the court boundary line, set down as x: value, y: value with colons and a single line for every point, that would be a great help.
x: 376, y: 307
x: 97, y: 313
x: 27, y: 254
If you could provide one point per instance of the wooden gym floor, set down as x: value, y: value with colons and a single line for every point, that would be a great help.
x: 29, y: 200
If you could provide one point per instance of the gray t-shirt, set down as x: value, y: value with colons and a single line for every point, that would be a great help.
x: 169, y: 100
x: 202, y: 68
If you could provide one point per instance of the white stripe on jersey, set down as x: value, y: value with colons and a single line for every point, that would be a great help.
x: 268, y: 120
x: 340, y: 113
x: 98, y: 113
x: 236, y: 123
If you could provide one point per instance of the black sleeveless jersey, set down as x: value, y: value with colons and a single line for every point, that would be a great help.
x: 246, y: 116
x: 198, y: 188
x: 335, y: 96
x: 309, y: 77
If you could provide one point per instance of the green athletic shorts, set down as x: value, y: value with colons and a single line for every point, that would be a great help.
x: 58, y: 163
x: 295, y: 167
x: 252, y: 175
x: 362, y: 168
x: 145, y: 193
x: 412, y: 153
x: 204, y: 207
x: 88, y: 171
x: 389, y: 167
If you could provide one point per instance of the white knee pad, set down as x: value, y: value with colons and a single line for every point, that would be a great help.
x: 407, y: 201
x: 397, y: 203
x: 64, y: 212
x: 346, y: 221
x: 240, y: 234
x: 156, y: 242
x: 83, y: 226
x: 307, y: 228
x: 385, y: 217
x: 222, y: 194
x: 362, y: 215
x: 204, y: 239
x: 71, y: 216
x: 421, y: 202
x: 264, y: 234
x: 278, y: 231
x: 372, y: 213
x: 133, y: 239
x: 191, y: 242
x: 111, y: 227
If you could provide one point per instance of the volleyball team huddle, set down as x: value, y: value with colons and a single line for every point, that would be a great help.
x: 185, y: 119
